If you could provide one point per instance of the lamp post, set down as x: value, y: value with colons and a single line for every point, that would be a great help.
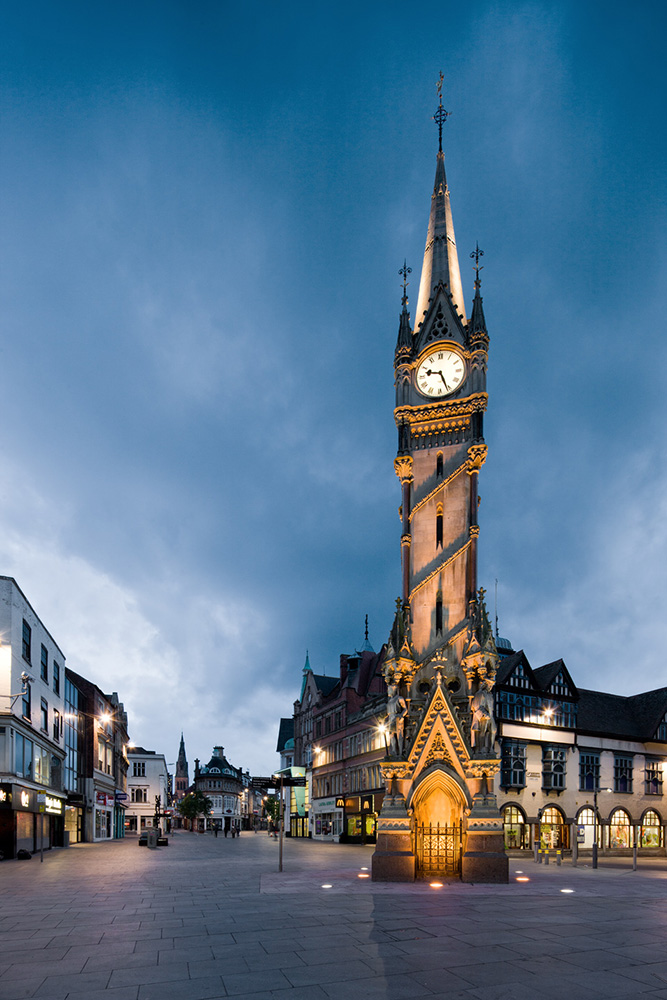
x: 595, y: 823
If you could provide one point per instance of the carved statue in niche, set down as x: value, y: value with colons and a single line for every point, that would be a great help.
x: 397, y: 710
x: 483, y: 729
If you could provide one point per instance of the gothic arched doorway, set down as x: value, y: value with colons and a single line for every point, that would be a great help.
x: 438, y: 801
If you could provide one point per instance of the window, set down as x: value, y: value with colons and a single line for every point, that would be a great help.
x: 56, y: 677
x: 438, y: 465
x: 438, y: 527
x: 662, y: 729
x: 56, y: 724
x: 559, y: 685
x: 518, y: 677
x: 622, y: 773
x: 139, y: 795
x: 438, y: 613
x: 651, y: 830
x: 589, y: 771
x: 620, y: 829
x: 27, y: 633
x: 44, y: 714
x: 25, y: 703
x: 553, y: 768
x: 653, y: 777
x: 553, y: 832
x: 513, y: 765
x: 139, y: 769
x: 515, y: 829
x: 44, y: 664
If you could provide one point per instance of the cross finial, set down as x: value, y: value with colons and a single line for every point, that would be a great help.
x: 476, y: 254
x: 441, y: 116
x: 366, y: 628
x: 405, y: 271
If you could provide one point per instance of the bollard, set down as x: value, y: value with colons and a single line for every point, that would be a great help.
x: 546, y: 857
x: 558, y: 858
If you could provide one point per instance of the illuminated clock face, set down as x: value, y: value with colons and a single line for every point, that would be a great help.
x: 441, y: 372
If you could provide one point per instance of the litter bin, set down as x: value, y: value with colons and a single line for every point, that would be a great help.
x: 151, y: 838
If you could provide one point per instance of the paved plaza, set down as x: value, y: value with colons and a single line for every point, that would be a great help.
x: 206, y: 918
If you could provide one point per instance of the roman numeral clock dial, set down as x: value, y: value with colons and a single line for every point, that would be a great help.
x: 440, y: 373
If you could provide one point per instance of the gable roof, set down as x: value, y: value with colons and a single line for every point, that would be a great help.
x: 636, y: 718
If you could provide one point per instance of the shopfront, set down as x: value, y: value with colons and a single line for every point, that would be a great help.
x: 103, y: 819
x: 327, y: 818
x: 361, y: 813
x: 30, y: 819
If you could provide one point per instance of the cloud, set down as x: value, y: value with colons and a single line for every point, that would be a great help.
x: 207, y: 682
x: 606, y: 618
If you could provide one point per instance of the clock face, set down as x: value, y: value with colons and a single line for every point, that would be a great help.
x: 441, y: 372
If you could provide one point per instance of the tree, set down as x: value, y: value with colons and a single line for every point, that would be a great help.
x: 194, y: 804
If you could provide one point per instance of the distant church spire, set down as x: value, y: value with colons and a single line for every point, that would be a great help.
x: 441, y: 262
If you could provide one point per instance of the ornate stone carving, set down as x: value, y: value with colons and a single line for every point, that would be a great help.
x: 476, y: 457
x: 403, y: 468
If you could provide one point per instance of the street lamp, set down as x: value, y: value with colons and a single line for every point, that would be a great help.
x: 595, y: 823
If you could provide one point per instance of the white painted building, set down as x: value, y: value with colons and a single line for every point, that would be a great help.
x: 147, y: 782
x: 32, y: 745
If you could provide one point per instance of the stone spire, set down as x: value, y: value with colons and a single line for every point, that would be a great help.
x: 441, y: 262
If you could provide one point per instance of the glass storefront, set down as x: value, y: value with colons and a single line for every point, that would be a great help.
x: 515, y: 829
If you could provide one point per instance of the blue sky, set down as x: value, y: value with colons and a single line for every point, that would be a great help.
x: 205, y: 207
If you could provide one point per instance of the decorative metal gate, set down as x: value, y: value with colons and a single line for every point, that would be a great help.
x: 438, y: 849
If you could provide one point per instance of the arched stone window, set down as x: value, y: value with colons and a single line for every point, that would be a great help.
x: 650, y: 833
x: 586, y: 828
x: 554, y: 833
x: 438, y: 465
x: 438, y: 526
x: 515, y: 829
x: 620, y: 830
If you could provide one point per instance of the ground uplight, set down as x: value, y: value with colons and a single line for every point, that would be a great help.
x: 363, y: 875
x: 567, y: 890
x: 435, y: 885
x: 523, y: 878
x: 327, y: 885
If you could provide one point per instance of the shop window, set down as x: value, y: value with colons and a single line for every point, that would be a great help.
x: 515, y: 829
x: 622, y: 773
x: 586, y: 829
x: 44, y: 664
x: 26, y: 640
x: 653, y: 777
x: 553, y: 768
x: 589, y: 771
x: 513, y: 765
x: 619, y: 829
x: 553, y: 832
x: 651, y: 830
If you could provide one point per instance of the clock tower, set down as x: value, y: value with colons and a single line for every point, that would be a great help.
x: 441, y: 657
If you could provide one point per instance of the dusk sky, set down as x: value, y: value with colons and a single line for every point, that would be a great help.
x: 205, y: 206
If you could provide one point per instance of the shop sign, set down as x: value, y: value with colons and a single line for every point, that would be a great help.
x: 102, y: 799
x: 324, y: 805
x: 340, y: 803
x: 53, y: 805
x: 25, y: 799
x: 41, y: 801
x: 121, y: 796
x: 352, y: 804
x: 367, y: 803
x: 5, y: 796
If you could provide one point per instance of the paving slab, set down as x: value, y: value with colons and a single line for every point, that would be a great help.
x: 205, y: 919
